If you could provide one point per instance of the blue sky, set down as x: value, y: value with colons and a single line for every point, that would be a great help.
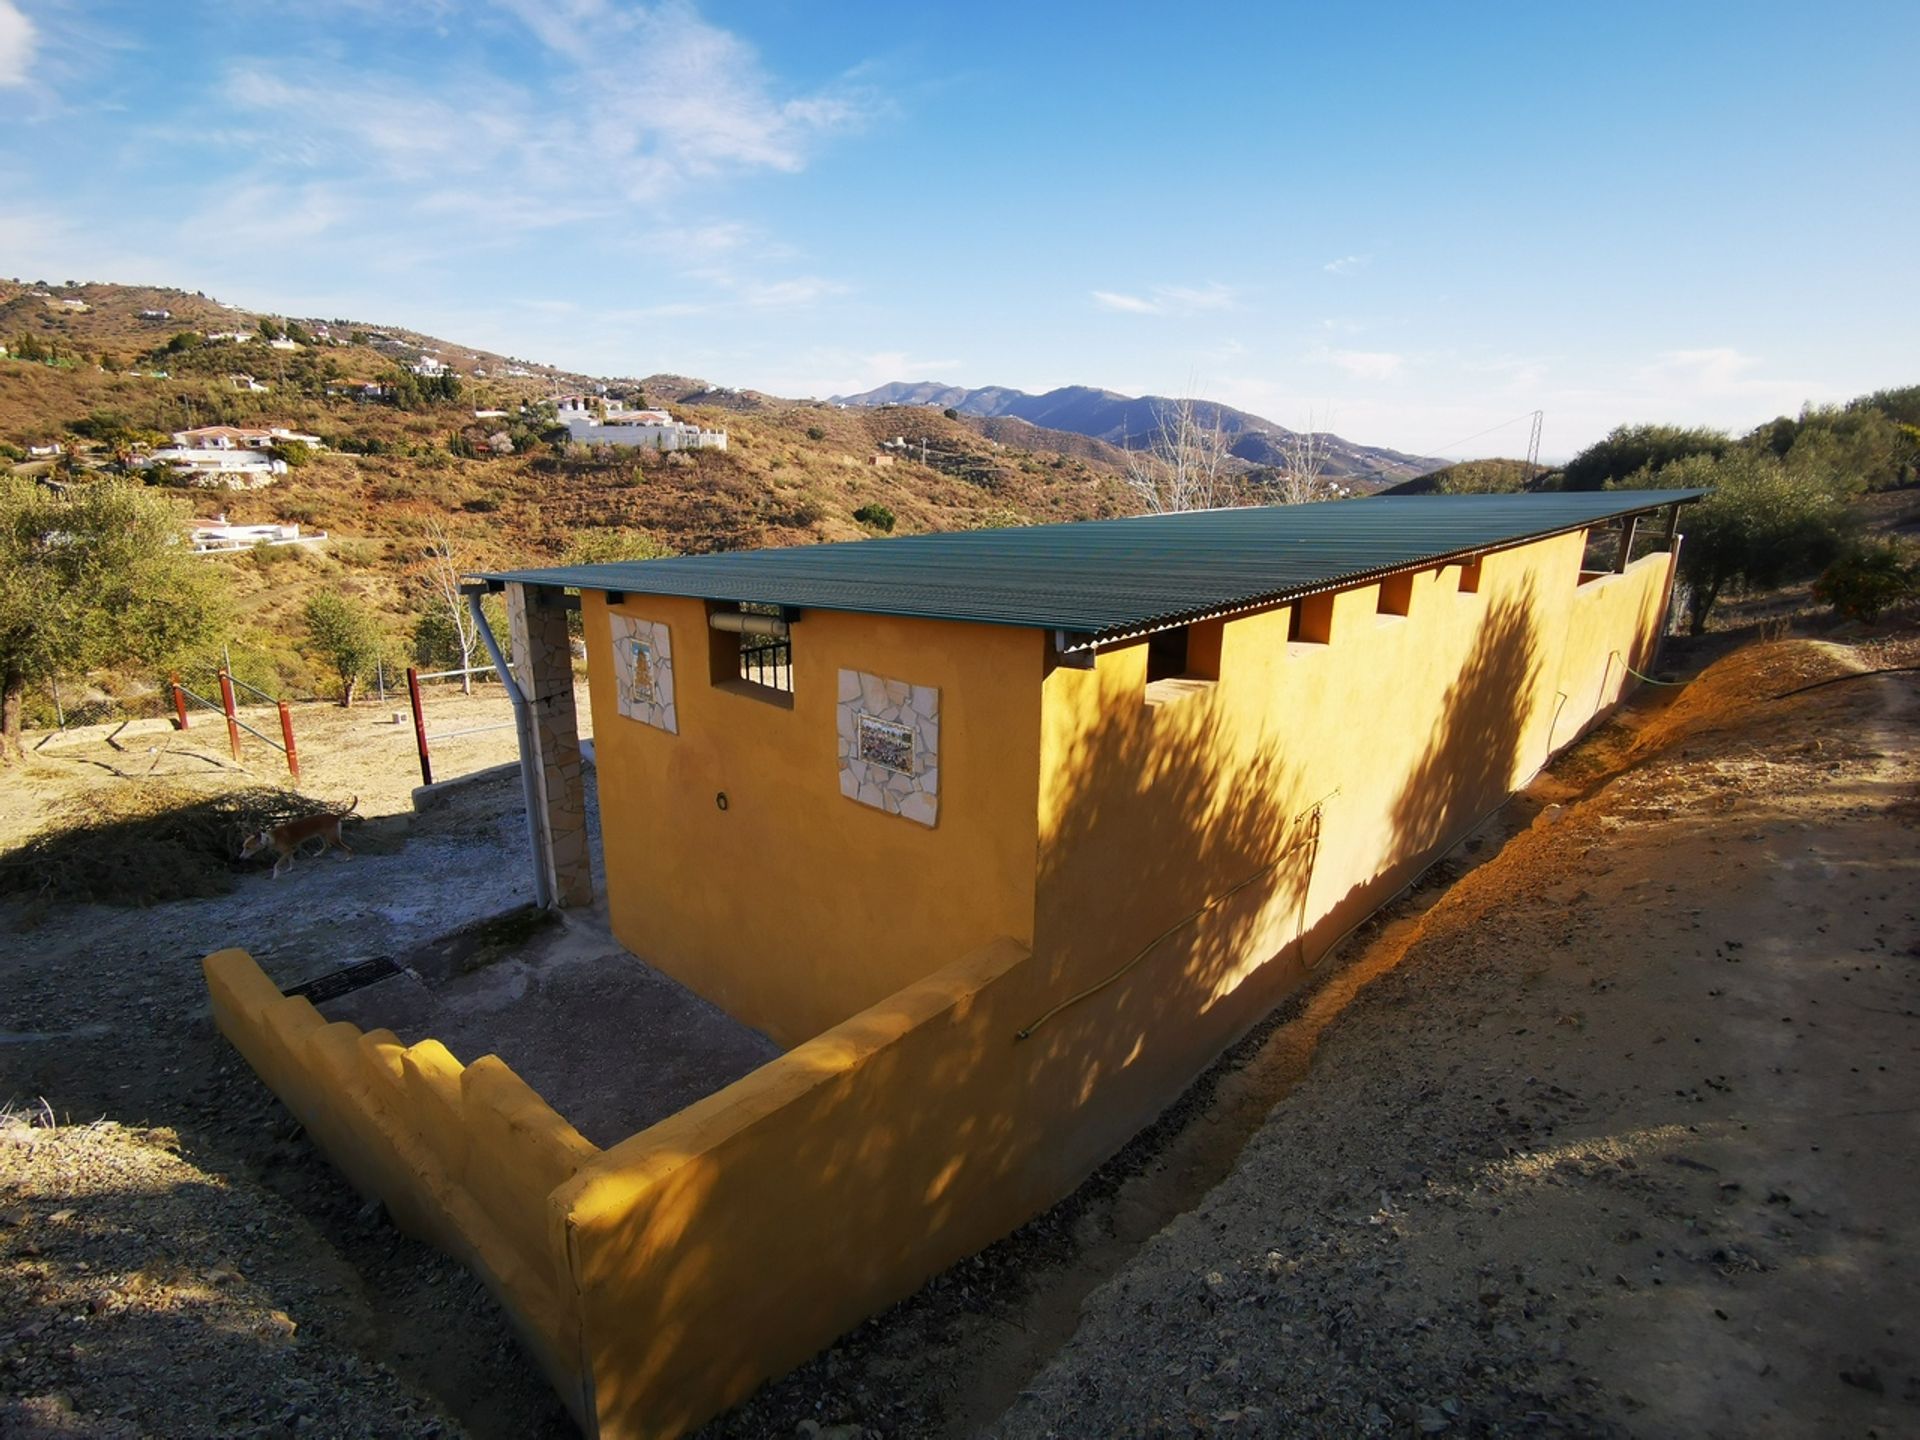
x: 1408, y: 222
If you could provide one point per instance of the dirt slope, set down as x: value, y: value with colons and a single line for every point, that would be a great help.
x: 1622, y: 1142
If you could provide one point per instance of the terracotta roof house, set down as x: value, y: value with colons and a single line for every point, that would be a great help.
x: 1003, y: 836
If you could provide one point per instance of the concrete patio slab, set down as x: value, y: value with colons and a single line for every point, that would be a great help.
x: 612, y: 1044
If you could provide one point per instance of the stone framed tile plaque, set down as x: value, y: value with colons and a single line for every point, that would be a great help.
x: 889, y: 745
x: 643, y: 672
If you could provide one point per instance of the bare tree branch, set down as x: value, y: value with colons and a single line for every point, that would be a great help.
x: 1186, y: 466
x: 1300, y: 478
x: 442, y: 576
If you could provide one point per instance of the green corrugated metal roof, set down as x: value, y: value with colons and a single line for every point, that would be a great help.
x: 1111, y: 578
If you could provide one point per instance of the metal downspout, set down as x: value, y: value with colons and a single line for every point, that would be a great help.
x: 523, y: 733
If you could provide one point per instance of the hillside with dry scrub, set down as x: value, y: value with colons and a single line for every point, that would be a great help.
x: 395, y: 479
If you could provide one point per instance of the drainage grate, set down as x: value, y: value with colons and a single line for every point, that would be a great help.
x: 345, y: 981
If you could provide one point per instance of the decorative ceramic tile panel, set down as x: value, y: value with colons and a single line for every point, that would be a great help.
x: 890, y: 745
x: 643, y: 672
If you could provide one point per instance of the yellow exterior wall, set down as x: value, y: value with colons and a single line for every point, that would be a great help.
x: 951, y: 1112
x: 1287, y: 800
x: 466, y: 1157
x: 732, y: 1241
x: 796, y: 907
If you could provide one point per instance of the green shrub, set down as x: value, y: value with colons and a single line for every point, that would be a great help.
x: 1872, y: 576
x: 814, y: 432
x: 346, y: 634
x: 873, y: 514
x: 266, y: 555
x: 1630, y: 448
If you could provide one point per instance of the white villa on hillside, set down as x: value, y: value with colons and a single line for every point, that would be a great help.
x: 592, y: 420
x: 241, y: 437
x: 229, y: 457
x: 215, y: 469
x: 218, y: 537
x: 358, y: 390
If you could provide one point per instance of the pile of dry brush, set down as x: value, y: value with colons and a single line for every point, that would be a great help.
x: 142, y: 843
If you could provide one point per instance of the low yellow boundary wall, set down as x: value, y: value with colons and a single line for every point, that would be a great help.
x: 466, y: 1157
x: 660, y: 1281
x: 734, y: 1240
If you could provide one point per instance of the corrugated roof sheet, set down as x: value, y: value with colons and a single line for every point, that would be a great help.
x: 1110, y: 578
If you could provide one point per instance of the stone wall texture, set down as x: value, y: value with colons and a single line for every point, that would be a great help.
x: 643, y: 672
x: 543, y: 658
x: 889, y: 745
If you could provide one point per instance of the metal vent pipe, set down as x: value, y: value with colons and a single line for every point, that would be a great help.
x: 740, y: 623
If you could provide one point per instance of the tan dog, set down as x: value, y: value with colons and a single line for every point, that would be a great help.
x: 287, y: 837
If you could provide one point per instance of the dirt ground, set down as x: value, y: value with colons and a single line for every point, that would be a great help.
x: 366, y: 751
x: 1607, y: 1128
x: 165, y: 1207
x: 555, y: 1005
x: 1621, y: 1140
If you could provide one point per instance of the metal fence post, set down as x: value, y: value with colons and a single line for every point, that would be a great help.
x: 179, y: 701
x: 286, y: 734
x: 226, y: 705
x: 419, y: 725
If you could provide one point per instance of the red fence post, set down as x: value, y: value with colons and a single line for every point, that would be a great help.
x: 179, y: 700
x: 286, y: 734
x: 419, y: 725
x: 226, y: 704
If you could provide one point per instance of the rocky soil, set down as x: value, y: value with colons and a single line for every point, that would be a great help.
x: 1622, y: 1141
x: 141, y: 1295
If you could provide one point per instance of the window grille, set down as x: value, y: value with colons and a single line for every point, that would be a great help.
x: 766, y: 659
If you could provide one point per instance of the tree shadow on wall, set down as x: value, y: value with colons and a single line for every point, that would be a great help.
x: 1480, y: 740
x: 1178, y: 862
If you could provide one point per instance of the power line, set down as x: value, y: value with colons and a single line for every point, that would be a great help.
x: 1456, y: 444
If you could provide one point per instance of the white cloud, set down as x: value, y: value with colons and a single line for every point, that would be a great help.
x: 834, y: 371
x: 1169, y: 300
x: 610, y: 119
x: 1347, y: 264
x: 1720, y: 370
x: 17, y: 42
x: 658, y: 89
x: 1368, y: 364
x: 645, y: 100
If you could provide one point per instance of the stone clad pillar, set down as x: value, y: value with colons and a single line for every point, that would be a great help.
x: 543, y: 664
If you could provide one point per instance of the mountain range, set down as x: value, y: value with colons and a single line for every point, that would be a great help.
x: 1132, y: 421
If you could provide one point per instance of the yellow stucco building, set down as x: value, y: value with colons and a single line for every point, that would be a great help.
x: 1076, y: 735
x: 1005, y: 835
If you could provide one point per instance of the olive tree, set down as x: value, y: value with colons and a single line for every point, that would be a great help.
x: 1631, y: 448
x: 347, y: 634
x: 1768, y: 522
x: 92, y: 577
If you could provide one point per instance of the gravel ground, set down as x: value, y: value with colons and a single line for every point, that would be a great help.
x: 120, y: 1260
x: 196, y: 1196
x: 1620, y: 1143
